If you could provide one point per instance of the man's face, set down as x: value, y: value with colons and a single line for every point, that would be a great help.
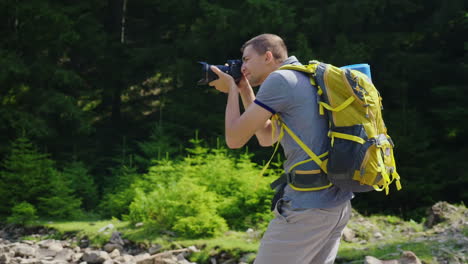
x: 254, y: 66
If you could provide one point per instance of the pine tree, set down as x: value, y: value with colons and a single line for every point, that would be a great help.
x: 24, y: 176
x: 82, y: 183
x: 30, y: 176
x: 60, y: 202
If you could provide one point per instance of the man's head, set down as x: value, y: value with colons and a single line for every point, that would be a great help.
x: 262, y: 55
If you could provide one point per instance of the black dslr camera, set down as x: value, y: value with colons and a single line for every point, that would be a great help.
x: 233, y: 68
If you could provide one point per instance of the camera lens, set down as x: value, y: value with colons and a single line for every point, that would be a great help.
x: 233, y: 68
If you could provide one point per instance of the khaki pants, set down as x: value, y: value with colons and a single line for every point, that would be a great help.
x: 303, y: 236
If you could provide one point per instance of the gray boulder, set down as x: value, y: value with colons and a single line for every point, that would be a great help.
x: 23, y: 250
x: 95, y: 257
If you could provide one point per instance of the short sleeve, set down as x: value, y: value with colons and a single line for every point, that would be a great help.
x: 274, y: 93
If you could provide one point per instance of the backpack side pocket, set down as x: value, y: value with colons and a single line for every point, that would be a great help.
x: 349, y: 146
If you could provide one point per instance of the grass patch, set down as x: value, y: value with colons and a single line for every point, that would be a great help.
x: 233, y: 245
x: 89, y: 229
x: 231, y: 241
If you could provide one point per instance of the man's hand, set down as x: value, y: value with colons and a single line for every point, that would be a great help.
x: 225, y: 81
x: 244, y: 85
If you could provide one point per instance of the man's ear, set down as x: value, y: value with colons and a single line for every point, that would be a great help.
x: 269, y: 57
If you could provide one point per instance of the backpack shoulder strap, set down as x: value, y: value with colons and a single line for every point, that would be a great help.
x: 309, y: 69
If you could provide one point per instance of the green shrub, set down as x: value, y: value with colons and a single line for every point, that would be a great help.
x: 176, y: 207
x: 201, y: 225
x: 117, y: 198
x: 243, y: 195
x: 116, y: 204
x: 200, y: 195
x: 23, y: 213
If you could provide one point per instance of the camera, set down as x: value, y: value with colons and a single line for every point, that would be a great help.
x: 233, y: 68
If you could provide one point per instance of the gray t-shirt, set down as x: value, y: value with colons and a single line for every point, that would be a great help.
x: 290, y: 94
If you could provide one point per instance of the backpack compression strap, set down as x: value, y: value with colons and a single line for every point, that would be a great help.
x: 317, y: 159
x: 297, y: 179
x: 310, y: 69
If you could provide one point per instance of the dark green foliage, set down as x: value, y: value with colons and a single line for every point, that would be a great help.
x: 23, y: 213
x: 119, y: 193
x: 59, y: 203
x: 29, y: 176
x: 82, y: 184
x: 158, y: 146
x: 25, y: 175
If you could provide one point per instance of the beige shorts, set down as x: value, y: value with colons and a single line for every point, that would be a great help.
x: 303, y: 236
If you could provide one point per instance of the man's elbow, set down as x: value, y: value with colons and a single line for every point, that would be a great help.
x: 234, y: 144
x: 263, y: 143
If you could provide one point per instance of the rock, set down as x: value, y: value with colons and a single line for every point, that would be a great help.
x: 378, y: 235
x: 57, y: 247
x: 373, y: 260
x: 30, y: 261
x: 46, y: 243
x: 127, y: 259
x: 77, y: 256
x: 22, y: 250
x: 45, y: 252
x: 407, y: 257
x: 115, y: 253
x: 84, y: 243
x: 165, y: 261
x: 154, y: 249
x: 116, y: 239
x: 181, y: 257
x: 46, y: 261
x: 193, y: 249
x: 107, y: 227
x: 27, y: 242
x: 4, y: 258
x: 64, y: 255
x: 348, y: 234
x: 109, y: 247
x: 95, y: 257
x: 439, y: 213
x: 143, y: 259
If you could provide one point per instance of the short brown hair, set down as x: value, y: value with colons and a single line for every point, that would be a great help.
x: 268, y: 42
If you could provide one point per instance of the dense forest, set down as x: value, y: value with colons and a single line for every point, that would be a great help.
x: 100, y: 112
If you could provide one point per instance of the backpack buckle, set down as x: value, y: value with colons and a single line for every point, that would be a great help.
x: 380, y: 140
x: 290, y: 176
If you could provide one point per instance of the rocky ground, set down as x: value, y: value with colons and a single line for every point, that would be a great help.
x: 51, y: 251
x: 446, y: 227
x: 444, y: 235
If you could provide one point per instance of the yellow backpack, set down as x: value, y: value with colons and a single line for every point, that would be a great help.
x: 360, y: 157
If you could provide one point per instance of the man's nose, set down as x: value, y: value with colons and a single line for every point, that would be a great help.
x: 243, y: 68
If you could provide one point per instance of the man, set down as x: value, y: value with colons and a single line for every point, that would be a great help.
x: 308, y: 224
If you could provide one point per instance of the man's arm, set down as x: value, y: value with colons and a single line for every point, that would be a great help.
x: 240, y: 128
x: 264, y: 132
